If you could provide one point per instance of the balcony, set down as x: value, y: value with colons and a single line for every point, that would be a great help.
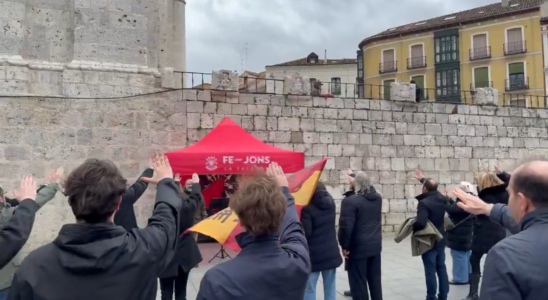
x: 480, y: 84
x: 480, y: 53
x: 416, y: 62
x: 388, y: 67
x: 517, y: 84
x: 513, y: 48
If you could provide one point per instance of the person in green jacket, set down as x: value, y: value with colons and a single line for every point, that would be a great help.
x: 44, y: 194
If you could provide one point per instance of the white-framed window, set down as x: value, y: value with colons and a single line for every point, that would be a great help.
x: 386, y: 88
x: 514, y: 40
x: 417, y: 58
x: 516, y: 76
x: 388, y: 60
x: 335, y: 86
x: 480, y: 48
x: 481, y: 77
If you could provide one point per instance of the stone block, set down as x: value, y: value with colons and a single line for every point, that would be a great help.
x: 486, y: 96
x: 402, y: 91
x: 296, y: 84
x: 224, y: 80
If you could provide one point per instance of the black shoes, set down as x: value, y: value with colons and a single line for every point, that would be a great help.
x: 347, y: 294
x: 474, y: 287
x: 457, y: 283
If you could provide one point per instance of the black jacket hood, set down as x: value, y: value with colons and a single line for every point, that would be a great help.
x: 90, y: 248
x: 322, y: 200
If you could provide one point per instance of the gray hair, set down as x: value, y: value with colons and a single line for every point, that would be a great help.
x: 362, y: 184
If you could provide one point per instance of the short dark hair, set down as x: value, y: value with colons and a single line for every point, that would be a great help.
x: 532, y: 186
x: 430, y: 185
x: 320, y: 186
x: 259, y: 204
x: 94, y: 189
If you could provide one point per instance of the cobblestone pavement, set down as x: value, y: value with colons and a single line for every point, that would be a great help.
x: 402, y: 275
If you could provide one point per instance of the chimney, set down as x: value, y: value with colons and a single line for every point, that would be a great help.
x: 505, y: 3
x: 325, y: 57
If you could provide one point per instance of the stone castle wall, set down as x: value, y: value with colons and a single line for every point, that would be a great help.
x: 386, y: 139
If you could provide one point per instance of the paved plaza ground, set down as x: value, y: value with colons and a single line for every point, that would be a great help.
x: 402, y: 275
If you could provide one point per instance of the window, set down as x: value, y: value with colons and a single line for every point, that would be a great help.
x: 446, y: 49
x: 417, y: 59
x: 386, y: 88
x: 450, y: 18
x: 419, y: 82
x: 312, y: 60
x: 447, y: 83
x: 481, y: 77
x: 480, y: 47
x: 514, y: 41
x: 516, y: 76
x: 388, y: 61
x: 335, y: 86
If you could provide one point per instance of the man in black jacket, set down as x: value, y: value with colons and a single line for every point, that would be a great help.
x: 360, y: 237
x: 432, y: 207
x: 16, y: 231
x: 125, y: 216
x: 95, y: 259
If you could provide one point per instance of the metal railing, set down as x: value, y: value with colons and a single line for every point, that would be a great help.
x: 480, y: 53
x: 275, y: 86
x: 515, y: 47
x: 388, y: 67
x: 416, y: 62
x: 480, y: 84
x: 517, y: 84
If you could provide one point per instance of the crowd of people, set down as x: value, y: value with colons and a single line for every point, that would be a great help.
x: 104, y: 255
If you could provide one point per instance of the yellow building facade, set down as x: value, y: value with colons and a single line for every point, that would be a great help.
x: 503, y: 51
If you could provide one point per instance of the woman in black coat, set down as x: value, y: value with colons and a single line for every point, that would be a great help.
x: 486, y: 233
x: 175, y: 276
x: 459, y: 238
x: 318, y: 219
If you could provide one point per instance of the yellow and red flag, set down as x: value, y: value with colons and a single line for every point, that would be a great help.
x: 224, y: 225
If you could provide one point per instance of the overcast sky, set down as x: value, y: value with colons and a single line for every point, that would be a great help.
x: 281, y: 30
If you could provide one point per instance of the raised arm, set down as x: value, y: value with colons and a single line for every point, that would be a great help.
x: 138, y: 188
x: 16, y: 231
x: 159, y: 237
x: 500, y: 214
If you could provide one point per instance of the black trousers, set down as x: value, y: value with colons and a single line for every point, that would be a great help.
x: 475, y: 260
x: 177, y: 283
x: 363, y: 274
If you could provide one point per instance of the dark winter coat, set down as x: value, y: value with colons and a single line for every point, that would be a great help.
x: 188, y: 254
x: 268, y: 267
x: 360, y: 230
x: 486, y: 232
x: 16, y: 231
x: 515, y: 268
x: 318, y: 219
x: 103, y: 261
x: 432, y: 207
x: 125, y: 216
x: 460, y: 237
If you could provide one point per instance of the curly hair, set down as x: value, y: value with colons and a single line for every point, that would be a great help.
x: 259, y: 204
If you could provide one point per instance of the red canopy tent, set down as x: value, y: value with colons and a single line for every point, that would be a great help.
x: 229, y: 149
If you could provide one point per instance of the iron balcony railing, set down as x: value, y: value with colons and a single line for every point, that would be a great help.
x: 480, y: 53
x: 515, y: 47
x: 416, y: 62
x: 516, y: 84
x: 388, y: 67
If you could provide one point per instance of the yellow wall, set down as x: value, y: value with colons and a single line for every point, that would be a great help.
x: 495, y: 30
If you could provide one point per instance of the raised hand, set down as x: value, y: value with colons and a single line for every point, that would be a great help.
x: 497, y: 169
x: 27, y: 189
x: 55, y: 175
x: 418, y: 174
x: 195, y: 178
x: 471, y: 203
x: 161, y: 167
x: 275, y: 171
x: 177, y: 177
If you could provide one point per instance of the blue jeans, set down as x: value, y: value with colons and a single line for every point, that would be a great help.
x: 328, y: 277
x: 461, y: 265
x: 4, y: 294
x: 434, y: 263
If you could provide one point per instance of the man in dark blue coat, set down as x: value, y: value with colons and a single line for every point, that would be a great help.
x: 274, y: 262
x: 515, y: 268
x: 360, y: 237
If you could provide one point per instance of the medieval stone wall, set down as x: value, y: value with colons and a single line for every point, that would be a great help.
x: 386, y: 139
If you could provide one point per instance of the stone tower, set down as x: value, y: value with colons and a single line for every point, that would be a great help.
x: 91, y: 48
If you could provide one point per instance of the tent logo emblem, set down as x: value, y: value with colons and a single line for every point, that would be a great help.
x: 211, y: 163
